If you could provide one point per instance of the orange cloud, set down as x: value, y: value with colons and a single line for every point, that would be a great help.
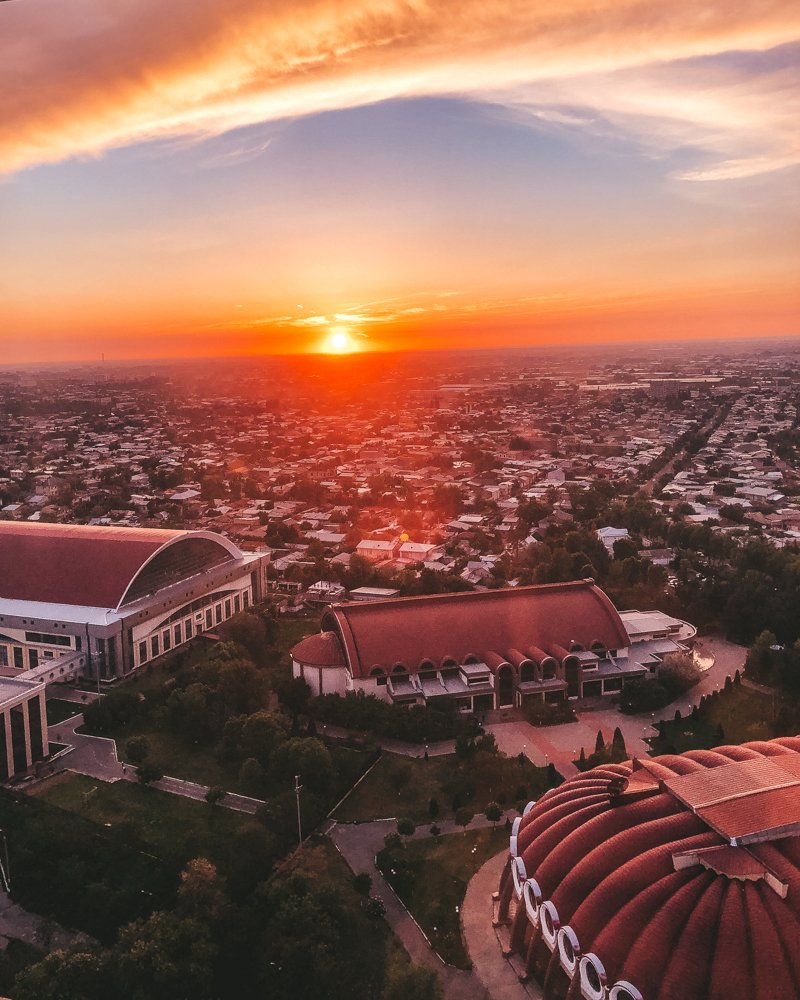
x: 81, y: 77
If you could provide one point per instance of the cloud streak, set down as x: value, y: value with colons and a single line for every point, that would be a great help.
x: 87, y: 76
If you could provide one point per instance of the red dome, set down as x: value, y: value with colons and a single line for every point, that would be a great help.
x: 676, y: 878
x: 320, y: 650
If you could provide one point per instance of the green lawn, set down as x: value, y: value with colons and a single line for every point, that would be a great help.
x: 431, y: 876
x: 179, y: 759
x: 404, y: 786
x: 58, y: 711
x: 174, y: 828
x: 744, y: 715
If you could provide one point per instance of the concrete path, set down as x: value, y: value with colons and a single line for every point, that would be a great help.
x: 483, y: 945
x: 20, y: 925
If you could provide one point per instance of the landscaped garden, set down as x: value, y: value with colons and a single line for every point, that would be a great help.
x: 58, y: 711
x: 427, y: 790
x: 736, y: 714
x: 430, y: 876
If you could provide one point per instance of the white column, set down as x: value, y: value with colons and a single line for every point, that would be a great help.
x: 9, y: 744
x: 26, y: 728
x: 43, y: 716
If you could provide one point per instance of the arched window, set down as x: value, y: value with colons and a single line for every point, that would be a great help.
x: 426, y: 665
x: 549, y: 667
x: 471, y: 658
x: 379, y: 675
x: 599, y: 648
x: 399, y: 668
x: 449, y: 661
x: 575, y: 647
x: 527, y: 671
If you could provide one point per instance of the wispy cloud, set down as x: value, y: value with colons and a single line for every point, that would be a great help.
x: 81, y: 77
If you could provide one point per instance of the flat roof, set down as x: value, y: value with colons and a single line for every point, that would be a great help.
x: 746, y: 802
x: 13, y: 687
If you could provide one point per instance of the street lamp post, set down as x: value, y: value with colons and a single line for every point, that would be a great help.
x: 297, y: 787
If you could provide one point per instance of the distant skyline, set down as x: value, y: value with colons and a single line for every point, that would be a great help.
x: 204, y: 178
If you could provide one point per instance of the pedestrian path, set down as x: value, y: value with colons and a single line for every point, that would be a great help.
x: 483, y: 945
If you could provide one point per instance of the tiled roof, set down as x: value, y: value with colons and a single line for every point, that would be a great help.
x: 658, y: 894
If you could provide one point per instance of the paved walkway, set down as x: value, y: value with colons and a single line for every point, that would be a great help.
x: 20, y: 925
x: 483, y: 945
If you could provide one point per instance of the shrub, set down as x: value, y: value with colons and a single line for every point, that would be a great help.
x: 362, y: 883
x: 136, y: 749
x: 406, y: 827
x: 148, y: 773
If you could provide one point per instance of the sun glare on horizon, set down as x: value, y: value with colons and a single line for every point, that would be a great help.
x: 339, y: 341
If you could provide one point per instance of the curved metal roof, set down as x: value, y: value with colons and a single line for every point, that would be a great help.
x: 412, y: 629
x: 79, y: 564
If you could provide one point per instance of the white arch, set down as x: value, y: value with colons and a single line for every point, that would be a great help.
x: 211, y: 536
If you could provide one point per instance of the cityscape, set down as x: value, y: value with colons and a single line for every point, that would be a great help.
x: 399, y: 500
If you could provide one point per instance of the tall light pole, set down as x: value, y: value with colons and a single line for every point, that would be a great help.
x: 5, y: 867
x: 297, y: 787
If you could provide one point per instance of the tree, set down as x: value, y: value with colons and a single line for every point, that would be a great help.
x: 599, y: 743
x: 412, y: 982
x: 294, y: 694
x: 618, y: 750
x: 433, y: 808
x: 148, y: 773
x: 246, y: 629
x: 362, y: 883
x: 406, y: 827
x: 215, y: 795
x: 136, y: 749
x: 67, y: 975
x: 252, y: 777
x: 309, y: 758
x: 201, y: 893
x: 166, y: 957
x: 464, y: 817
x: 253, y: 736
x: 493, y: 813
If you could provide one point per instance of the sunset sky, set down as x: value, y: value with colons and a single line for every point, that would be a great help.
x: 192, y: 177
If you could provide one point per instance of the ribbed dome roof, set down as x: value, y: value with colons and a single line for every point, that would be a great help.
x: 321, y: 650
x: 630, y: 861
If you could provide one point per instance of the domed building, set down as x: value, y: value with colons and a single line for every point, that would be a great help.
x: 673, y: 878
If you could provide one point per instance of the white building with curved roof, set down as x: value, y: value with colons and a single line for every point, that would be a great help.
x: 103, y: 601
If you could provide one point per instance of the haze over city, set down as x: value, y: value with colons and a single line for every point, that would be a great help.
x: 192, y: 179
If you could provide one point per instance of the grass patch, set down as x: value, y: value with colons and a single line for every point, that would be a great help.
x: 404, y: 786
x: 58, y: 711
x: 178, y: 759
x: 174, y: 828
x: 736, y: 715
x: 430, y: 876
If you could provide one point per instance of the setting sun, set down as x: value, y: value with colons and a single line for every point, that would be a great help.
x: 339, y: 341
